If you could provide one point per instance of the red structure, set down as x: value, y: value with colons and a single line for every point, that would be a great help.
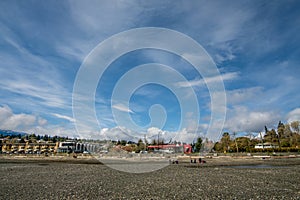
x: 171, y: 148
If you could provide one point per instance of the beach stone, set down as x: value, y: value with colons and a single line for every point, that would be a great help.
x: 217, y: 179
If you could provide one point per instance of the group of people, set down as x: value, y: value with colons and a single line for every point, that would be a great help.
x: 199, y: 160
x: 172, y: 161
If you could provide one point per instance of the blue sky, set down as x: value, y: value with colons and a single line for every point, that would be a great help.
x: 254, y: 44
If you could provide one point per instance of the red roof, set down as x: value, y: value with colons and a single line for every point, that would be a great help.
x: 165, y: 146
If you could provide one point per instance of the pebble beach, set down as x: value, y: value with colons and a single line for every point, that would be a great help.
x: 87, y: 178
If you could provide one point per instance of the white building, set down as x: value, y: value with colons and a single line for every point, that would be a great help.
x: 265, y: 146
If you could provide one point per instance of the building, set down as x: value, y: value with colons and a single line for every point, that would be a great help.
x: 265, y: 146
x: 66, y: 147
x: 29, y: 148
x: 171, y: 148
x: 40, y: 147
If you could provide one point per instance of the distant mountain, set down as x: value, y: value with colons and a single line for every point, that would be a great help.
x: 10, y: 132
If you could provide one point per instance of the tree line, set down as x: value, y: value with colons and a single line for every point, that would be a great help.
x: 285, y: 138
x: 32, y: 138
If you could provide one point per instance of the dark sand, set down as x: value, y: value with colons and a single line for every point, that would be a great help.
x: 219, y: 178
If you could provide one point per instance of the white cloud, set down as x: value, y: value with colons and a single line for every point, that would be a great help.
x: 31, y: 124
x: 225, y: 53
x: 53, y: 130
x: 294, y: 115
x: 122, y: 133
x: 18, y: 121
x: 5, y: 113
x: 71, y: 119
x: 114, y: 16
x: 32, y: 77
x: 122, y: 108
x: 243, y: 94
x: 12, y: 121
x: 42, y: 122
x: 115, y: 133
x: 181, y: 135
x: 240, y: 119
x: 35, y: 90
x: 209, y: 80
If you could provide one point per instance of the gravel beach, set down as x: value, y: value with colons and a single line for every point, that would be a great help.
x: 221, y: 178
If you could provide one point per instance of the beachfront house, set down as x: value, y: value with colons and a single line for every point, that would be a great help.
x: 265, y: 146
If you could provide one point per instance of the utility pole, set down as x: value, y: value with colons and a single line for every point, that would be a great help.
x: 145, y: 141
x: 158, y: 140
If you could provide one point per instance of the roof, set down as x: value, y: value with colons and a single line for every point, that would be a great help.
x: 165, y: 146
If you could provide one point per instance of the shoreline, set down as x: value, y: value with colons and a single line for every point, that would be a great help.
x: 183, y: 160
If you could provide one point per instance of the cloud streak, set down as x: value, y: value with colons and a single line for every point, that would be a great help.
x: 201, y: 82
x: 70, y: 119
x: 122, y: 108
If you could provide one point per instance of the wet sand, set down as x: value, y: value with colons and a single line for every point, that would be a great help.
x: 87, y: 178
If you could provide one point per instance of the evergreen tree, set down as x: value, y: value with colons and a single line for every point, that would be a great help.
x: 198, y: 144
x: 140, y: 145
x: 123, y: 142
x: 154, y: 142
x: 266, y: 130
x: 280, y: 132
x: 271, y: 136
x: 225, y: 141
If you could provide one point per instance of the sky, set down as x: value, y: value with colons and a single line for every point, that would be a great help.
x: 252, y: 46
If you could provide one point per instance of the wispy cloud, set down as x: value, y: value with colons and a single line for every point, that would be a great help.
x: 30, y: 75
x: 207, y: 80
x: 244, y: 95
x: 122, y: 107
x: 71, y: 119
x: 250, y: 41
